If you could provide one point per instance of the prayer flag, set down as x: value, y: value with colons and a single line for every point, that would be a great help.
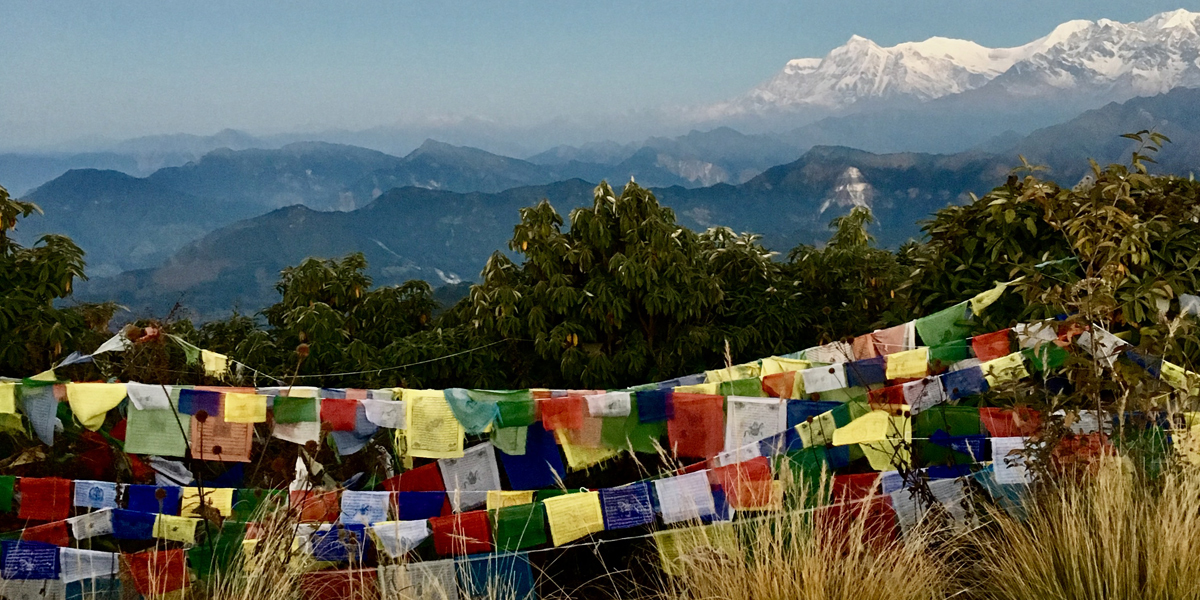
x: 192, y: 402
x: 339, y: 414
x: 245, y: 408
x: 152, y: 498
x: 157, y: 572
x: 87, y: 564
x: 506, y: 575
x: 157, y: 433
x: 365, y: 508
x: 468, y: 479
x: 176, y: 529
x: 214, y: 438
x: 145, y: 396
x: 910, y: 364
x: 398, y: 538
x: 433, y: 432
x: 519, y: 527
x: 45, y: 499
x: 944, y: 326
x: 993, y: 345
x: 29, y: 560
x: 867, y: 371
x: 95, y: 494
x: 340, y: 543
x: 316, y: 506
x: 133, y: 525
x: 698, y: 427
x: 540, y: 466
x: 431, y: 579
x: 219, y: 499
x: 627, y: 506
x: 50, y: 533
x: 823, y: 379
x: 462, y: 533
x: 500, y: 499
x: 684, y: 497
x: 91, y: 401
x: 288, y: 409
x: 574, y: 516
x: 92, y: 524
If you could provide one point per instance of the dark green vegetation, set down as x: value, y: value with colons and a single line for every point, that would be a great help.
x: 176, y: 237
x: 620, y: 292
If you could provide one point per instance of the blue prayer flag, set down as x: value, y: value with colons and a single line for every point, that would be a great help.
x: 146, y: 498
x: 29, y: 560
x: 627, y: 506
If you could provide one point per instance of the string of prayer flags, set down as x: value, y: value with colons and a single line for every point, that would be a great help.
x: 245, y: 408
x: 468, y: 479
x: 573, y: 516
x: 696, y: 430
x: 218, y: 499
x: 364, y: 508
x: 176, y: 529
x: 45, y: 498
x: 92, y: 524
x: 945, y: 325
x: 79, y: 564
x: 91, y: 401
x: 152, y: 498
x: 157, y: 572
x: 518, y: 527
x: 433, y: 432
x: 398, y: 538
x: 910, y: 364
x: 540, y: 467
x: 29, y: 560
x: 684, y: 497
x: 462, y: 533
x: 95, y: 494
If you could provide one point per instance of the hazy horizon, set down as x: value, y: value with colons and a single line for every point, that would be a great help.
x: 81, y: 73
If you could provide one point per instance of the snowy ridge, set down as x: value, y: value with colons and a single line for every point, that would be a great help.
x: 1128, y: 59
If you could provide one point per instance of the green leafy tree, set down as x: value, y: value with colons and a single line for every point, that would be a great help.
x: 33, y: 331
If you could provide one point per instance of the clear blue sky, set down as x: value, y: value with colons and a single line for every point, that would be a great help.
x: 120, y: 68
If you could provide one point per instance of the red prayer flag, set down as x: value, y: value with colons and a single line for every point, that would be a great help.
x: 463, y: 533
x: 340, y: 414
x: 346, y: 584
x: 565, y: 412
x: 55, y: 533
x: 882, y: 397
x: 847, y: 488
x: 747, y: 484
x: 1010, y: 422
x: 698, y: 428
x: 157, y: 572
x: 426, y: 478
x: 993, y: 345
x: 45, y: 498
x: 864, y: 347
x: 315, y: 505
x: 779, y: 385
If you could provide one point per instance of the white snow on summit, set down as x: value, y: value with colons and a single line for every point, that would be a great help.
x: 1125, y: 58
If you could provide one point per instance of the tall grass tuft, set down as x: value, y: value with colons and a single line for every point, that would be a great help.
x: 1116, y: 534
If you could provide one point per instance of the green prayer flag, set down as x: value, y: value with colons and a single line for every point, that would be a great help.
x: 218, y: 553
x: 519, y: 527
x: 252, y: 504
x: 510, y: 440
x: 517, y: 412
x: 1046, y: 356
x: 157, y: 432
x: 955, y: 421
x: 629, y: 432
x: 806, y: 467
x: 7, y: 483
x: 944, y: 355
x: 851, y: 394
x: 945, y: 325
x: 743, y: 387
x: 191, y: 353
x: 295, y: 410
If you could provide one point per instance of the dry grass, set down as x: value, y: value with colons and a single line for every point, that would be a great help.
x: 1114, y: 535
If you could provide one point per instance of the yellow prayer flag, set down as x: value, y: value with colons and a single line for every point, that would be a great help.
x: 433, y: 432
x: 220, y: 499
x: 1005, y: 368
x: 743, y: 371
x: 871, y: 427
x: 679, y: 547
x: 893, y: 452
x: 700, y: 388
x: 910, y: 364
x: 986, y: 299
x: 47, y: 375
x: 175, y: 529
x: 582, y: 457
x: 245, y: 408
x: 502, y: 499
x: 8, y: 397
x: 91, y: 401
x: 572, y: 516
x: 777, y: 364
x: 215, y: 365
x: 819, y: 431
x: 1179, y: 378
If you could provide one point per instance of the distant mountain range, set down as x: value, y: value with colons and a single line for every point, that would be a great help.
x: 445, y: 236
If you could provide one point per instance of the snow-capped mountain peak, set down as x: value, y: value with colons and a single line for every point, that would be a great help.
x: 1125, y: 59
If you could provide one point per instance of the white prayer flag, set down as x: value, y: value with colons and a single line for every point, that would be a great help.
x: 685, y: 497
x: 824, y: 379
x: 400, y: 537
x: 91, y: 524
x: 365, y: 508
x: 146, y: 396
x: 1008, y: 464
x: 749, y: 420
x: 385, y: 413
x: 87, y: 564
x: 469, y: 478
x: 612, y: 404
x: 95, y: 494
